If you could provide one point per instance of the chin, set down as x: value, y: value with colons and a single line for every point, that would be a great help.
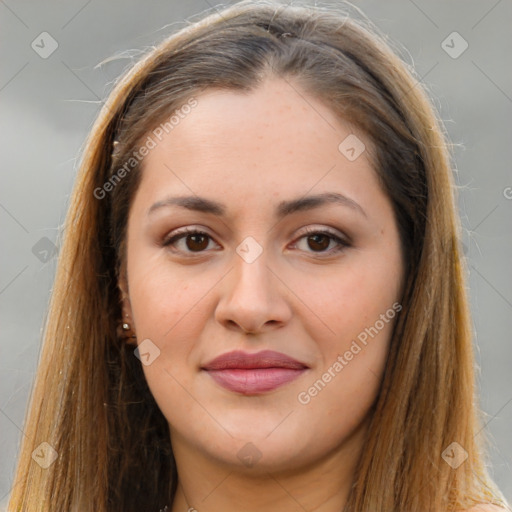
x: 256, y: 450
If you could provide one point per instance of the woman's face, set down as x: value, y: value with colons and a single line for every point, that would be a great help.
x: 298, y: 253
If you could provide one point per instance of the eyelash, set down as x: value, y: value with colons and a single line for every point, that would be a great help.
x: 342, y: 244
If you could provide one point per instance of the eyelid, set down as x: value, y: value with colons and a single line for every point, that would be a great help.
x: 186, y: 230
x: 324, y: 229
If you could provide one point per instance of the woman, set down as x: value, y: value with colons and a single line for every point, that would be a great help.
x: 260, y: 299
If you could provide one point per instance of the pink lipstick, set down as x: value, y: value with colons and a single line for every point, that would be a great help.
x: 251, y: 374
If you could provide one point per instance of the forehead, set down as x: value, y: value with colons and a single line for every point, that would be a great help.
x: 274, y: 141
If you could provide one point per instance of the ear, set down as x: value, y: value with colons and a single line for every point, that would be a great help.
x: 127, y: 316
x: 124, y: 294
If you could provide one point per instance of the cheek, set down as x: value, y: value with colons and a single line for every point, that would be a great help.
x: 165, y: 307
x: 355, y: 301
x: 164, y: 297
x: 338, y: 397
x: 168, y: 310
x: 358, y: 307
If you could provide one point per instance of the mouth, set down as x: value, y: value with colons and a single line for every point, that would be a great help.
x: 252, y: 374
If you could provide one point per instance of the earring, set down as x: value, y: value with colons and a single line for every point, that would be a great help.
x: 124, y: 331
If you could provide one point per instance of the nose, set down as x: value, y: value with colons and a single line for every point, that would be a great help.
x: 253, y: 297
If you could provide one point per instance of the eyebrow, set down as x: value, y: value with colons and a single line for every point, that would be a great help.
x: 284, y: 208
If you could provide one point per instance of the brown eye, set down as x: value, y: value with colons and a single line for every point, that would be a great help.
x: 320, y: 242
x: 197, y: 242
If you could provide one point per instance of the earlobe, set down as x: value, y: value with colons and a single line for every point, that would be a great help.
x: 126, y: 327
x: 126, y: 333
x: 127, y: 312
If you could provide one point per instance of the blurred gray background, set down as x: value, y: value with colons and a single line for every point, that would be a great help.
x: 51, y: 92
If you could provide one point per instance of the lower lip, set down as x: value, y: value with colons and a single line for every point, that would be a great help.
x: 254, y: 380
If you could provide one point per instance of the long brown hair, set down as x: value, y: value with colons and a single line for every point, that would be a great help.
x: 90, y: 401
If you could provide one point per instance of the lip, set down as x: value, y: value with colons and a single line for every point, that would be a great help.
x: 249, y: 374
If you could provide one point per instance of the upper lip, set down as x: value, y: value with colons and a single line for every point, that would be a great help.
x: 246, y: 360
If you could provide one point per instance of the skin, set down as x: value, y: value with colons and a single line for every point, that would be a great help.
x: 251, y: 151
